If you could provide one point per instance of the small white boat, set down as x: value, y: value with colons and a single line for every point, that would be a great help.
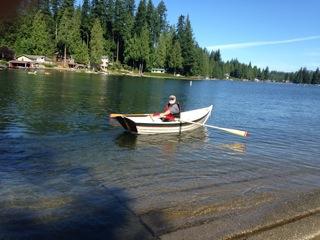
x: 149, y: 124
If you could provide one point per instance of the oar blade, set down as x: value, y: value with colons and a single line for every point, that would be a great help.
x: 236, y: 132
x: 114, y: 115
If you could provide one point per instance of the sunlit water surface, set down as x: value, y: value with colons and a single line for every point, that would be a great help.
x: 66, y: 171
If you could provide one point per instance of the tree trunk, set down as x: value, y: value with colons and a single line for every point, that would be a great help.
x: 118, y: 50
x: 65, y: 56
x: 56, y: 33
x: 87, y: 40
x: 140, y: 69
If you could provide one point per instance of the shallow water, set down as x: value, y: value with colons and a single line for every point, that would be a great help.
x: 66, y: 171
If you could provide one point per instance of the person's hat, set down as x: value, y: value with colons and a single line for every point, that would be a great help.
x: 172, y: 99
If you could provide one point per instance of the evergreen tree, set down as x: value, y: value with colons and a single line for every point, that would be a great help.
x: 64, y: 37
x: 109, y: 18
x: 130, y: 6
x: 40, y: 39
x: 316, y: 77
x: 78, y: 48
x: 188, y: 48
x: 266, y: 74
x: 143, y: 49
x: 67, y: 5
x: 98, y: 11
x: 205, y: 69
x: 44, y: 7
x: 96, y: 44
x: 121, y: 28
x: 217, y: 56
x: 85, y: 22
x: 23, y: 44
x: 161, y: 51
x: 153, y: 23
x: 162, y: 13
x: 175, y: 57
x: 141, y: 17
x: 55, y: 5
x: 306, y: 76
x: 8, y: 33
x: 131, y: 51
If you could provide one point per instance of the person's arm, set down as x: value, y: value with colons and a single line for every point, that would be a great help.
x: 165, y: 113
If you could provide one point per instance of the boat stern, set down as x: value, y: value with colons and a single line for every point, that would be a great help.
x: 127, y: 124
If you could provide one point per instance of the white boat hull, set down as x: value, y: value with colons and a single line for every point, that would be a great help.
x: 147, y: 124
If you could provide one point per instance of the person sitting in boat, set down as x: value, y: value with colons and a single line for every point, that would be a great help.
x: 171, y: 110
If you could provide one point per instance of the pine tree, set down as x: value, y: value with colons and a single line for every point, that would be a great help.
x: 130, y: 6
x: 67, y: 5
x: 205, y: 69
x: 131, y: 51
x: 96, y: 44
x: 118, y: 27
x: 217, y: 56
x: 162, y: 13
x: 153, y: 23
x: 55, y: 5
x: 78, y: 48
x: 141, y: 17
x: 98, y: 11
x: 41, y: 43
x: 316, y: 77
x: 109, y: 18
x: 44, y: 7
x: 161, y: 51
x: 188, y: 48
x: 85, y: 22
x: 143, y: 49
x: 175, y: 57
x: 22, y: 43
x: 266, y: 74
x: 64, y: 37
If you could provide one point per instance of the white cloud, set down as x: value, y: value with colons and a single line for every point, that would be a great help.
x: 260, y: 43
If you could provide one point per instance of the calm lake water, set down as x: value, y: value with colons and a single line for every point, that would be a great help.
x: 68, y: 172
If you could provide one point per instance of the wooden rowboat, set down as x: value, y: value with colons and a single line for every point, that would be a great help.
x: 149, y: 124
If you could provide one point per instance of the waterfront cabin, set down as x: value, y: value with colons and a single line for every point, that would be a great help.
x: 37, y: 59
x: 29, y: 61
x: 21, y: 64
x: 158, y: 70
x: 105, y: 62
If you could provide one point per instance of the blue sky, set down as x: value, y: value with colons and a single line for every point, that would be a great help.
x: 281, y: 34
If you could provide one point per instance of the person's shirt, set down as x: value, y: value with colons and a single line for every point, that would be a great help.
x: 174, y: 108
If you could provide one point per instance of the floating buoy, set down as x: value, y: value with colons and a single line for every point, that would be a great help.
x: 190, y: 83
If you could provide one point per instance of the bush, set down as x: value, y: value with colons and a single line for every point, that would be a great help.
x: 49, y: 65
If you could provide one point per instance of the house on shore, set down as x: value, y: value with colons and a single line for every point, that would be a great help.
x: 105, y: 63
x: 29, y: 61
x: 158, y: 70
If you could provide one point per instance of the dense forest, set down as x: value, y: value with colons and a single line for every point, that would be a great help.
x: 133, y: 37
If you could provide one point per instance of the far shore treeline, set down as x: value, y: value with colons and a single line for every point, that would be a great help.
x: 134, y: 38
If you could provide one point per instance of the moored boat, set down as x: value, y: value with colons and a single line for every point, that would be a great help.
x: 149, y: 124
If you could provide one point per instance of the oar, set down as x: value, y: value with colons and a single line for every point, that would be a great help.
x: 229, y: 130
x: 114, y: 115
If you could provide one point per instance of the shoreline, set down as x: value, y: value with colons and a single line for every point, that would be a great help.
x: 145, y: 75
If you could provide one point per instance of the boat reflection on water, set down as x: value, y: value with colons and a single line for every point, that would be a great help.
x: 165, y: 141
x: 168, y: 143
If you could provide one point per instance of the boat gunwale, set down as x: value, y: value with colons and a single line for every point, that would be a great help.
x: 169, y: 124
